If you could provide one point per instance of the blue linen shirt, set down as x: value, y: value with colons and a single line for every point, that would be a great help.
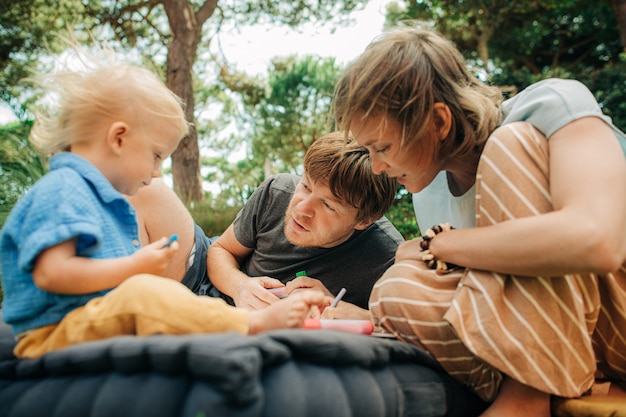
x: 73, y: 200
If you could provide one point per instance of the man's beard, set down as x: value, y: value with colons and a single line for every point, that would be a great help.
x: 287, y: 226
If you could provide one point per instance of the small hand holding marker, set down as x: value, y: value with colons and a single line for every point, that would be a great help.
x: 350, y: 326
x: 171, y: 240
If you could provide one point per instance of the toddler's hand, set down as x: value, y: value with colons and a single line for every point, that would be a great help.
x: 154, y: 258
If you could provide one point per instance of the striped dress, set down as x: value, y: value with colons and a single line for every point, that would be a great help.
x: 555, y: 334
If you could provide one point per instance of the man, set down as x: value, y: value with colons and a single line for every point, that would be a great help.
x: 351, y: 249
x: 329, y: 225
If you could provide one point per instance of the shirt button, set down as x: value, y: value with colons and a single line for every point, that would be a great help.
x: 135, y: 242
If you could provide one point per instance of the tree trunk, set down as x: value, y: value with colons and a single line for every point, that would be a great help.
x: 482, y: 33
x: 186, y: 27
x: 619, y: 9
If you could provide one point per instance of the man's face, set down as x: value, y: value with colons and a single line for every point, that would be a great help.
x: 315, y: 218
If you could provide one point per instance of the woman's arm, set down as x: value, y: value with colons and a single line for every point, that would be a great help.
x: 586, y: 232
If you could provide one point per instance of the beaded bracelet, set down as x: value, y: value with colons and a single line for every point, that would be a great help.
x: 429, y: 259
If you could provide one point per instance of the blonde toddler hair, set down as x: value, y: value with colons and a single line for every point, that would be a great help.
x: 105, y: 89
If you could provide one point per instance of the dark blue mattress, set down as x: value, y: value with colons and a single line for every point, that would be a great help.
x: 283, y: 373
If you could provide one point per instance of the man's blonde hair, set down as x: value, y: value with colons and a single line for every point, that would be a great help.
x: 104, y: 88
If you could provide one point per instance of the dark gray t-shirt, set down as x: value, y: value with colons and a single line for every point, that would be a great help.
x: 355, y: 264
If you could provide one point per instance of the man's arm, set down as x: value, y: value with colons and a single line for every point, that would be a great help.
x: 224, y: 259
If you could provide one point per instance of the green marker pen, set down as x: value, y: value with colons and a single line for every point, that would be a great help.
x: 280, y: 291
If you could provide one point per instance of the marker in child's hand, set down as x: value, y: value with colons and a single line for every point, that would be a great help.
x: 171, y: 240
x: 338, y: 298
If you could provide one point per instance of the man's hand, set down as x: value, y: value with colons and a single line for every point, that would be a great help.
x: 343, y: 310
x: 253, y: 294
x: 346, y: 311
x: 301, y: 283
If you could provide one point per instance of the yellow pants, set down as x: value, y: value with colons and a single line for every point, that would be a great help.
x: 142, y: 305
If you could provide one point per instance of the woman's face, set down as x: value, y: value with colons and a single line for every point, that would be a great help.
x: 414, y: 165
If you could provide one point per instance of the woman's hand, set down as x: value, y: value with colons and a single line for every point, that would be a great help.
x: 410, y: 250
x: 346, y: 311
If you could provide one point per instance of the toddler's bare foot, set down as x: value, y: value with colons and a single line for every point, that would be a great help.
x: 287, y: 312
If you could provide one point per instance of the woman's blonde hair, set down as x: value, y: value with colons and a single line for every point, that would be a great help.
x: 102, y: 89
x: 402, y: 74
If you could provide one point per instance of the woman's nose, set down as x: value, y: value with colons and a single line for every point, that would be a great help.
x: 378, y: 165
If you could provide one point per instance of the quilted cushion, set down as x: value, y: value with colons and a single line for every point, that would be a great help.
x: 282, y: 373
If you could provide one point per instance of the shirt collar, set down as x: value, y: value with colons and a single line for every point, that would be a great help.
x: 89, y: 172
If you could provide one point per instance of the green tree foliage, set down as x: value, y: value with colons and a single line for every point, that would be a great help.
x: 20, y: 165
x: 609, y: 87
x: 25, y: 36
x: 169, y: 33
x: 294, y: 112
x: 278, y: 119
x: 619, y: 10
x: 529, y: 33
x: 271, y: 120
x: 402, y: 216
x: 518, y: 43
x: 285, y: 115
x: 567, y: 37
x: 471, y: 24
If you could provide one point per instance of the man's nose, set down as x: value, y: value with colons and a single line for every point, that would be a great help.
x: 305, y: 207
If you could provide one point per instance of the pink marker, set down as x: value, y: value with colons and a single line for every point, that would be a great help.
x: 279, y: 292
x: 351, y: 326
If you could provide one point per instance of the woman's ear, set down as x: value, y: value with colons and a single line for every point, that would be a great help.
x: 116, y: 136
x: 442, y: 119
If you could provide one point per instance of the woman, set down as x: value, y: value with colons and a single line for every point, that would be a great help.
x: 539, y: 209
